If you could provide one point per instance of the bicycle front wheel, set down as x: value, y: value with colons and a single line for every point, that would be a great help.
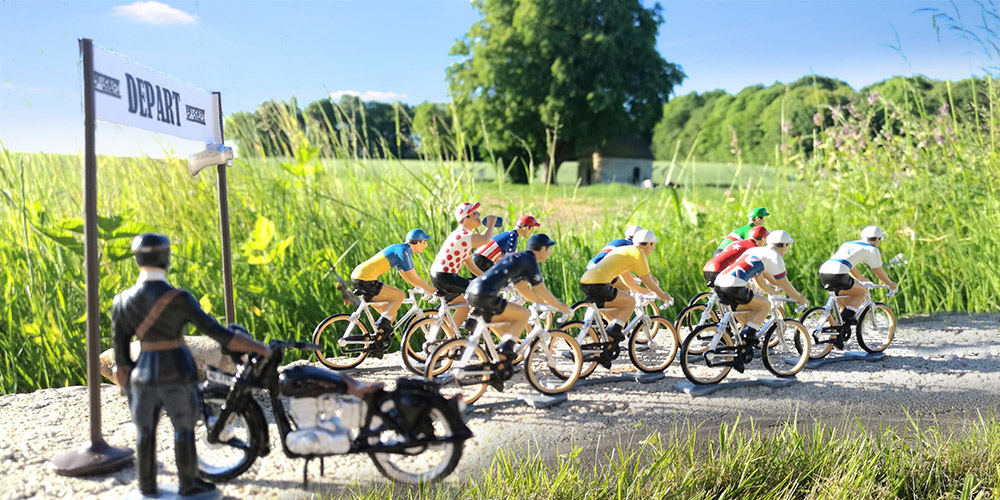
x: 876, y: 328
x: 418, y: 342
x: 564, y: 370
x: 333, y: 353
x: 653, y: 347
x: 700, y: 364
x: 787, y: 348
x: 690, y: 318
x: 820, y: 341
x: 589, y: 353
x: 446, y: 358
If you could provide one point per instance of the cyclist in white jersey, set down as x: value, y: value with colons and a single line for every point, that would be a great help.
x: 840, y: 274
x: 758, y: 264
x: 455, y: 252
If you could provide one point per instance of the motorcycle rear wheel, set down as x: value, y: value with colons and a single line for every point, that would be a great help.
x: 425, y: 463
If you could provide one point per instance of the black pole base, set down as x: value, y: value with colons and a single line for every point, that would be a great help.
x: 169, y: 492
x: 97, y: 458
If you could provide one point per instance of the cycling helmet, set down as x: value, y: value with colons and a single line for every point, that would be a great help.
x: 757, y: 232
x: 779, y: 237
x: 644, y: 236
x: 631, y: 230
x: 758, y: 212
x: 540, y: 241
x: 872, y: 232
x: 151, y: 250
x: 417, y: 235
x: 464, y: 209
x: 527, y: 220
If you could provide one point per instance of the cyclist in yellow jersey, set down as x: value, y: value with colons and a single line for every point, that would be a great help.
x: 622, y: 264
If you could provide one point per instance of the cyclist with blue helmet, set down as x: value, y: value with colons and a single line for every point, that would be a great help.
x: 520, y: 269
x: 398, y: 256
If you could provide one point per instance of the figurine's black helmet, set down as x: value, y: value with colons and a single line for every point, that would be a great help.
x: 152, y: 250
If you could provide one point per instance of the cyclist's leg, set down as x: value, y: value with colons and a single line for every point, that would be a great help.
x: 511, y: 321
x: 394, y: 297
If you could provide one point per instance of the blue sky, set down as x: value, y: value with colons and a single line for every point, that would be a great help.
x: 398, y: 49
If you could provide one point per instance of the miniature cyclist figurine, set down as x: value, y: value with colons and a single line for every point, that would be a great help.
x: 757, y: 264
x: 757, y: 237
x: 455, y: 251
x: 621, y: 265
x: 756, y: 217
x: 839, y: 272
x: 613, y: 244
x: 502, y: 244
x: 366, y: 282
x: 164, y: 376
x: 520, y: 269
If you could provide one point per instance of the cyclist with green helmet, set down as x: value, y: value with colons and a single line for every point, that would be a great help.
x: 756, y: 217
x: 398, y: 256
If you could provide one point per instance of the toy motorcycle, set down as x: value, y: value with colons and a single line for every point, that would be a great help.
x: 412, y: 434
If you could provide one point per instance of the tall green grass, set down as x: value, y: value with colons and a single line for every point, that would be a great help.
x: 297, y: 220
x: 791, y: 461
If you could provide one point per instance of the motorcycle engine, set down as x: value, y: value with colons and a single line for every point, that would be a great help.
x: 318, y: 429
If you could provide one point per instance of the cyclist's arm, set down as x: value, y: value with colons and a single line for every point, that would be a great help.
x: 544, y: 296
x: 525, y: 290
x: 416, y: 281
x: 769, y: 279
x: 653, y: 285
x: 857, y: 275
x: 628, y: 279
x: 478, y: 240
x: 762, y: 280
x: 470, y: 264
x: 884, y: 278
x: 790, y: 290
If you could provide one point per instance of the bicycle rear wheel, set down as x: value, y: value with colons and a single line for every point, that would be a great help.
x: 652, y: 348
x: 573, y: 329
x: 786, y: 348
x: 445, y: 359
x: 416, y: 346
x: 696, y: 356
x: 820, y: 344
x: 689, y: 319
x: 565, y: 370
x: 334, y: 355
x: 876, y: 328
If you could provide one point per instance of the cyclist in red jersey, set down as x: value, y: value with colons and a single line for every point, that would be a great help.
x: 757, y: 237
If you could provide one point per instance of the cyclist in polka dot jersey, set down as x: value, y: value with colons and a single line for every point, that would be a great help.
x: 455, y: 252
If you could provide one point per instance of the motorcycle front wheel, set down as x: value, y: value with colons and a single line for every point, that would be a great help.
x: 423, y: 463
x: 238, y: 442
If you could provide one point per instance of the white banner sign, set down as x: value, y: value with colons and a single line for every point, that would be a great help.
x: 132, y: 95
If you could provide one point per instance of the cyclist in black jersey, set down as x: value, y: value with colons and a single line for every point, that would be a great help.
x: 520, y: 269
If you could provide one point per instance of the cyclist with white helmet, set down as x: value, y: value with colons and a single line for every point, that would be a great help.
x: 839, y: 274
x: 622, y: 264
x: 613, y: 244
x: 758, y: 264
x: 455, y: 252
x: 502, y: 244
x: 366, y: 282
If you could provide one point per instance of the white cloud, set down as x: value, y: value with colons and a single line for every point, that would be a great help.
x: 153, y: 12
x: 369, y: 95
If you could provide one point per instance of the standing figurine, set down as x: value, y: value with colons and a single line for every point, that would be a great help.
x: 502, y: 244
x: 756, y: 217
x: 456, y: 251
x: 164, y: 376
x: 399, y: 256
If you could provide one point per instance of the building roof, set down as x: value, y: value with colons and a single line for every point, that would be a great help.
x: 624, y: 147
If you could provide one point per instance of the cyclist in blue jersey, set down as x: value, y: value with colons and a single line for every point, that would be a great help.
x: 839, y: 274
x: 520, y: 269
x: 398, y: 256
x: 613, y: 244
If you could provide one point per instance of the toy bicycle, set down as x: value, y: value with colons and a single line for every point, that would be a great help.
x: 875, y: 329
x: 345, y: 340
x: 652, y: 340
x: 552, y: 362
x: 712, y: 350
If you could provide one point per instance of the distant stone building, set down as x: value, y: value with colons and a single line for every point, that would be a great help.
x: 623, y: 159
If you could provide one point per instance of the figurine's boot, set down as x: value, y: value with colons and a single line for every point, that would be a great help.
x: 191, y: 482
x: 145, y: 461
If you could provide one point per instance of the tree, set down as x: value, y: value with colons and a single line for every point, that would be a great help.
x: 549, y: 79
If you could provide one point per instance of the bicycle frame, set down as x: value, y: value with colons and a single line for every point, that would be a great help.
x: 832, y: 308
x: 589, y: 316
x: 728, y: 324
x: 538, y: 331
x: 365, y: 308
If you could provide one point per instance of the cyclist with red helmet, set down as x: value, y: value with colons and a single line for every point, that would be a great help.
x: 366, y: 282
x: 755, y: 238
x: 502, y: 244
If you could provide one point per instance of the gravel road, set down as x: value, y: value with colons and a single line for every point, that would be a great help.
x: 942, y: 368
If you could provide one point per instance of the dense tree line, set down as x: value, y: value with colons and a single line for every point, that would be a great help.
x: 760, y: 124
